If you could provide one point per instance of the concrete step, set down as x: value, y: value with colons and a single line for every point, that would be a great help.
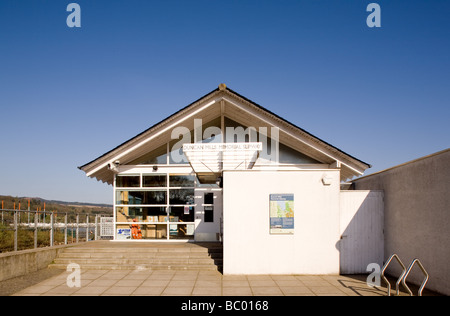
x: 115, y: 256
x: 142, y: 250
x: 121, y: 255
x: 139, y: 267
x: 175, y: 261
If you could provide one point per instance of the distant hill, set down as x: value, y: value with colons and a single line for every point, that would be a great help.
x: 79, y: 204
x: 36, y: 203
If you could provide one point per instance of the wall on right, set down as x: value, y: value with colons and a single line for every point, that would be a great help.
x: 417, y: 216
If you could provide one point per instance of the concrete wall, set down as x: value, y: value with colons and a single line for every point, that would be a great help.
x: 417, y: 216
x: 15, y: 264
x: 249, y: 248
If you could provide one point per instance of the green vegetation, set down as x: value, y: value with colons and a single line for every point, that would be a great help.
x: 25, y: 238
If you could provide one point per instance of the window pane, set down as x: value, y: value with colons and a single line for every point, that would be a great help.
x: 156, y: 157
x: 155, y: 197
x: 141, y: 214
x: 154, y: 180
x: 128, y: 181
x: 289, y: 155
x: 155, y: 214
x: 141, y: 197
x: 122, y: 214
x: 209, y: 214
x: 176, y: 154
x: 209, y: 198
x: 236, y: 133
x: 181, y: 231
x: 211, y: 131
x: 136, y: 213
x: 181, y: 196
x: 182, y: 213
x: 179, y: 180
x: 154, y: 231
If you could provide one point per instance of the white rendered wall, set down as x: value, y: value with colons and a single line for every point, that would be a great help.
x: 249, y: 248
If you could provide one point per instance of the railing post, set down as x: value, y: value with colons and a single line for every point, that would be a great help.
x: 35, y: 229
x: 65, y: 229
x: 96, y: 227
x: 71, y: 232
x: 15, y: 230
x: 51, y: 230
x: 78, y: 217
x: 87, y: 228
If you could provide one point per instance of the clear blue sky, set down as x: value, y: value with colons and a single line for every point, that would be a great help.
x: 68, y: 95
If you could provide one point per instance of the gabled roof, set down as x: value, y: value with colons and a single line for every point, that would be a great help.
x: 224, y: 101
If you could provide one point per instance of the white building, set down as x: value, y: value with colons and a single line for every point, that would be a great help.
x: 226, y: 169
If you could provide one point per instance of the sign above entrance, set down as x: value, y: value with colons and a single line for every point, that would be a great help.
x: 217, y: 157
x: 223, y: 147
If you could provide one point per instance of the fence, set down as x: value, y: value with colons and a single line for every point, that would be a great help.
x: 23, y: 229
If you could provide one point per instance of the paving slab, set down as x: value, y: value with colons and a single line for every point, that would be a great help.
x: 198, y: 283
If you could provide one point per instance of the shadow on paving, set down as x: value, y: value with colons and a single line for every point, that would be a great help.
x: 14, y: 285
x: 353, y: 282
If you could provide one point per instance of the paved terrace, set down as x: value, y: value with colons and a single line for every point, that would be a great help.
x: 146, y: 282
x: 200, y: 283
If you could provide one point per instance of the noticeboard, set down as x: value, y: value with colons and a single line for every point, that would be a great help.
x: 281, y: 212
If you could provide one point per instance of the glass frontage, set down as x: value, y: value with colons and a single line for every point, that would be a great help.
x: 161, y: 205
x: 155, y: 206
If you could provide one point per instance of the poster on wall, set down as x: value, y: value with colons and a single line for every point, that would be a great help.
x: 123, y: 233
x: 281, y: 211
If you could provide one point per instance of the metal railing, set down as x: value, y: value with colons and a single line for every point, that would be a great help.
x: 404, y: 275
x: 23, y: 229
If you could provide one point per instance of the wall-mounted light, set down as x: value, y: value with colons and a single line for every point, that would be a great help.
x: 113, y: 166
x: 155, y: 168
x: 326, y: 179
x: 219, y: 182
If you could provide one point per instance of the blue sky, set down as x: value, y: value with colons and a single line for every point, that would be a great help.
x: 68, y: 95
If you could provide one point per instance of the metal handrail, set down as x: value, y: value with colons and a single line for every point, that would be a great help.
x: 397, y: 284
x: 424, y: 282
x: 13, y: 223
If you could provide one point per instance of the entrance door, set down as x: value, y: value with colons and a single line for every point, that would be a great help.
x: 208, y: 214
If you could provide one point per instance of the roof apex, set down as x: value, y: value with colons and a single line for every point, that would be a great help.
x: 222, y: 92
